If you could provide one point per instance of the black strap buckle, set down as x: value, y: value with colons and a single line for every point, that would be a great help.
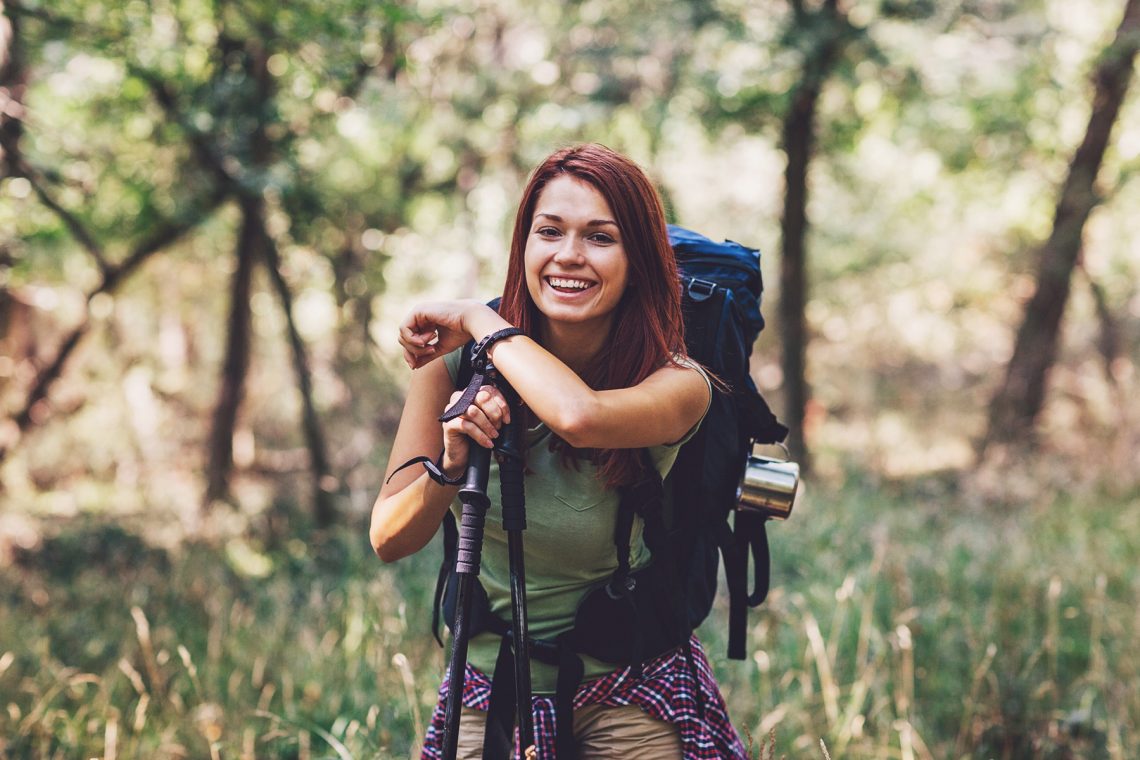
x: 619, y: 588
x: 479, y: 350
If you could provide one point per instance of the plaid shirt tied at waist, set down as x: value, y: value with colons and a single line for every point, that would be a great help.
x: 668, y: 689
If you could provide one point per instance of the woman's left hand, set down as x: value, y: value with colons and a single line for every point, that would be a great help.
x: 432, y: 330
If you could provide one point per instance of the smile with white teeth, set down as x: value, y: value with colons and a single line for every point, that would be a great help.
x: 566, y: 283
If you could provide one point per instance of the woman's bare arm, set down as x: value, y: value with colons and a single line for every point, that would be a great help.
x: 660, y: 409
x: 411, y: 505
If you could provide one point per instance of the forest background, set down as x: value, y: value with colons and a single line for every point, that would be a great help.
x: 212, y: 214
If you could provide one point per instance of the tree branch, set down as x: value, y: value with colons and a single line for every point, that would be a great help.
x: 166, y: 234
x: 324, y: 483
x: 77, y: 229
x: 203, y: 149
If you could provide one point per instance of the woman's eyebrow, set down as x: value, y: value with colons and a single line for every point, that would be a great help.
x: 591, y: 223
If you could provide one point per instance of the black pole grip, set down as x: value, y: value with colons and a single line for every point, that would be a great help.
x: 473, y: 494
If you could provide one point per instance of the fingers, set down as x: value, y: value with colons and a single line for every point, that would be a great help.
x: 483, y: 419
x: 432, y: 330
x: 420, y: 345
x: 493, y: 404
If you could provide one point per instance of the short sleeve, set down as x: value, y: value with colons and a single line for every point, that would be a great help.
x: 451, y: 361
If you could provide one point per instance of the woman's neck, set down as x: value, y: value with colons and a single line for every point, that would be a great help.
x: 576, y: 345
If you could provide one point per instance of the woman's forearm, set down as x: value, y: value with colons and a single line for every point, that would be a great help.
x: 658, y: 410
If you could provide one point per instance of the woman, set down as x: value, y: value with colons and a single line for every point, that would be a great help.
x: 600, y: 368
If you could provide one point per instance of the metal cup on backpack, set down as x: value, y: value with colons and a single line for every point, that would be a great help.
x: 769, y: 486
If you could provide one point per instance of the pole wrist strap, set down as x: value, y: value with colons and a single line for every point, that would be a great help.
x: 479, y: 363
x: 434, y: 470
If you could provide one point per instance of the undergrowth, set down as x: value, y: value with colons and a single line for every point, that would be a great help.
x: 902, y: 623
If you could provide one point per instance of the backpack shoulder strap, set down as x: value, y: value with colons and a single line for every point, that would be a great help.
x: 446, y: 565
x: 644, y: 497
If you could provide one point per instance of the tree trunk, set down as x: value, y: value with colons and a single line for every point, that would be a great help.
x: 1014, y: 408
x: 324, y: 483
x: 13, y: 83
x: 799, y: 143
x: 250, y: 249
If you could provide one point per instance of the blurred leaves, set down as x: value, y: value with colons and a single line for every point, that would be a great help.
x: 389, y: 152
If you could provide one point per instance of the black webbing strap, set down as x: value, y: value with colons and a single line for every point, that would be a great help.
x: 498, y: 741
x: 761, y: 559
x: 479, y: 362
x: 640, y: 498
x: 467, y: 399
x: 749, y: 538
x: 570, y: 671
x: 735, y: 575
x: 623, y: 531
x: 434, y: 470
x: 498, y: 738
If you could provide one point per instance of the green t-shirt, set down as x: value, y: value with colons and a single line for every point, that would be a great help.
x: 568, y: 545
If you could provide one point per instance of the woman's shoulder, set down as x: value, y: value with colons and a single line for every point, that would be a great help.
x: 684, y: 361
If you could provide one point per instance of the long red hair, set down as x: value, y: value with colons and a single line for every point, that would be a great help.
x: 647, y: 330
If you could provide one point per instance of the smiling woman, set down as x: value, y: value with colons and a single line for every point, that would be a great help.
x: 589, y: 335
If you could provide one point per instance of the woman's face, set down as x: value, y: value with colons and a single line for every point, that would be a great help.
x: 576, y: 267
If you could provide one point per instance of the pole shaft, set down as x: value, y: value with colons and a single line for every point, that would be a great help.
x: 512, y: 445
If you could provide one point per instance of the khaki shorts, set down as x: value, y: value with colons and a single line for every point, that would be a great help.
x: 602, y: 731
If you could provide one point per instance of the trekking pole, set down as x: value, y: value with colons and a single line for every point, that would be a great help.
x: 473, y: 496
x: 510, y: 456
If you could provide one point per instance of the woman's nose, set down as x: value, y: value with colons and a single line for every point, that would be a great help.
x: 570, y: 250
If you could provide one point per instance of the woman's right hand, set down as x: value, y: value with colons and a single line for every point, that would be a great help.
x: 480, y: 423
x: 435, y: 329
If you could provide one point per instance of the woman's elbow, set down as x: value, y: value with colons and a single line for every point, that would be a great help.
x: 384, y: 548
x: 576, y: 425
x: 384, y: 542
x: 389, y: 551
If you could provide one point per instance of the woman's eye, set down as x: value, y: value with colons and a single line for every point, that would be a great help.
x: 602, y: 238
x: 547, y: 231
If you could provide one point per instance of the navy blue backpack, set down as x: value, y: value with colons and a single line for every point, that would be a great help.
x: 721, y: 294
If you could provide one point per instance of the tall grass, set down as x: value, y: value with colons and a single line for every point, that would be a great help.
x: 192, y: 656
x: 904, y: 622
